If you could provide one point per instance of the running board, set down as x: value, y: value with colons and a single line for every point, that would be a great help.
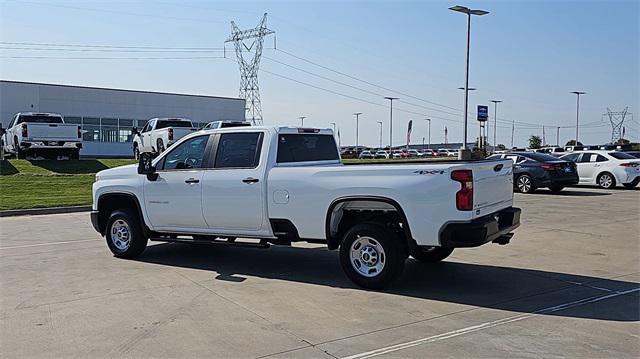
x: 262, y: 244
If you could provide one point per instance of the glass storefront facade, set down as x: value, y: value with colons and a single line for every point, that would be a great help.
x: 109, y: 129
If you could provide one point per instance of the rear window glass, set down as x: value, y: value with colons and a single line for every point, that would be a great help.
x: 621, y: 156
x: 173, y: 123
x: 540, y: 157
x: 306, y: 147
x: 39, y: 119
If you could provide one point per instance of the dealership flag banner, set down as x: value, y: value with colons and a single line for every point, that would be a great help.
x: 409, y: 132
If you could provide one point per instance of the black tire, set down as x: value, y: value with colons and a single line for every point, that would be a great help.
x: 1, y: 151
x: 160, y: 146
x: 137, y: 240
x: 392, y: 256
x: 556, y: 189
x: 524, y: 184
x: 136, y: 152
x: 606, y: 180
x: 74, y: 155
x: 630, y: 185
x: 431, y: 254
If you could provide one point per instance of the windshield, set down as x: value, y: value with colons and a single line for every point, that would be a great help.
x: 40, y: 119
x: 173, y: 123
x: 621, y: 156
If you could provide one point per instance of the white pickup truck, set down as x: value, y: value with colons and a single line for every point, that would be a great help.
x: 160, y: 133
x: 36, y: 134
x: 278, y: 185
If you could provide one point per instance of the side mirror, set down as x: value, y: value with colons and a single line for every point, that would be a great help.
x: 145, y: 167
x: 135, y: 131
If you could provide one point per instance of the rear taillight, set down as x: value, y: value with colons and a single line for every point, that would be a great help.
x: 551, y: 167
x: 25, y: 131
x: 630, y: 164
x: 170, y: 131
x: 464, y: 197
x: 79, y: 132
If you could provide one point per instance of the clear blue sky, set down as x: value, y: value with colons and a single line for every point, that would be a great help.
x: 528, y: 54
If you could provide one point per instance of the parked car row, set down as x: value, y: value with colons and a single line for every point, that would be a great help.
x: 533, y: 170
x: 399, y: 153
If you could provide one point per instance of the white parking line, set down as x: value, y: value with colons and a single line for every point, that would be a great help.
x: 48, y: 244
x: 486, y: 325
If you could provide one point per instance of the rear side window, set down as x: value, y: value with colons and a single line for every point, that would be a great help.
x: 306, y: 147
x: 239, y: 150
x: 601, y: 158
x: 39, y: 119
x: 586, y: 157
x: 571, y: 157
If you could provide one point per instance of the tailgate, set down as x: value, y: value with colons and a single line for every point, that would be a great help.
x: 492, y: 186
x: 52, y: 131
x: 179, y: 132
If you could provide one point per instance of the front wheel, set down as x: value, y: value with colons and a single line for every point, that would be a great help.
x: 124, y: 234
x: 136, y: 153
x: 371, y: 255
x: 606, y: 180
x: 431, y: 254
x: 160, y: 146
x: 524, y: 183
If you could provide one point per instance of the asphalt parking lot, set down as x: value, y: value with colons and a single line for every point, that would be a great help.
x: 567, y: 285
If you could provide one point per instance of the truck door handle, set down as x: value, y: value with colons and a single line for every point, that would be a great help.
x: 250, y: 180
x: 192, y: 180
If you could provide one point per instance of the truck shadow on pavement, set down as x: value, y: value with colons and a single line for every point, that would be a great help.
x: 571, y: 193
x: 486, y: 286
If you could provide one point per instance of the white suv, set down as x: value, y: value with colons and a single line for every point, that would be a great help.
x: 606, y: 168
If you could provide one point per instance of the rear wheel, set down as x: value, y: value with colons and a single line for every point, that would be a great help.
x: 371, y: 255
x: 556, y: 188
x: 74, y: 155
x: 524, y: 183
x: 431, y: 254
x: 606, y: 180
x: 124, y: 234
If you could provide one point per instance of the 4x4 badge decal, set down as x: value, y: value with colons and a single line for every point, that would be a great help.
x: 429, y: 172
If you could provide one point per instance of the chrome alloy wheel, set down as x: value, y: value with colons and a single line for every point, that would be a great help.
x: 524, y: 184
x: 605, y: 181
x: 367, y: 256
x: 120, y: 235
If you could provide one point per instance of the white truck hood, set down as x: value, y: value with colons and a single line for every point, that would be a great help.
x: 122, y: 171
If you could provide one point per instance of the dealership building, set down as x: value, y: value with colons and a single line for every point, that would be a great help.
x: 107, y: 116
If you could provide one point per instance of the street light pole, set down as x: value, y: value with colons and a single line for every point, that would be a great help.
x: 558, y: 136
x: 429, y: 146
x: 302, y: 120
x: 357, y: 114
x: 464, y: 154
x: 391, y: 120
x: 380, y: 123
x: 466, y: 98
x: 577, y: 93
x: 495, y: 122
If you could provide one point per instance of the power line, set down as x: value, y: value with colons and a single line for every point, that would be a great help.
x: 109, y: 46
x: 112, y: 58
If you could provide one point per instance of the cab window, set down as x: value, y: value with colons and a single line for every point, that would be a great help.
x: 187, y: 155
x: 238, y: 150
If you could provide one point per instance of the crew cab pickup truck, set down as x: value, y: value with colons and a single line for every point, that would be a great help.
x: 31, y: 133
x: 278, y: 185
x: 160, y: 133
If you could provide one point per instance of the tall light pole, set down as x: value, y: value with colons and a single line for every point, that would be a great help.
x: 464, y: 154
x: 495, y: 122
x: 357, y: 114
x: 380, y: 123
x: 558, y: 136
x: 429, y: 120
x: 466, y: 99
x: 391, y: 121
x: 302, y: 120
x: 577, y: 93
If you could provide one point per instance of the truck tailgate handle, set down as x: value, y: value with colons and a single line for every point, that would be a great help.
x: 192, y: 180
x: 250, y: 180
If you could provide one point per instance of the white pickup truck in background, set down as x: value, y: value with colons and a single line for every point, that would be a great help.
x: 280, y: 185
x: 160, y: 133
x: 41, y: 134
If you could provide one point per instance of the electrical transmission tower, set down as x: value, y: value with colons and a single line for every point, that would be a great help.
x: 250, y: 42
x: 617, y: 120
